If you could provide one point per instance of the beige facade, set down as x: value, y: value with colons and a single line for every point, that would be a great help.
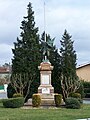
x: 83, y: 72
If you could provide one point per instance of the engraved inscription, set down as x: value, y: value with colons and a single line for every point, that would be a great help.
x: 45, y: 90
x: 45, y: 79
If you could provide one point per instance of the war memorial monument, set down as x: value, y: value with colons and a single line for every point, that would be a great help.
x: 45, y: 89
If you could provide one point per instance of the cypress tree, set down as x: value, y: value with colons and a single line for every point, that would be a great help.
x: 69, y: 79
x: 27, y: 51
x: 55, y: 60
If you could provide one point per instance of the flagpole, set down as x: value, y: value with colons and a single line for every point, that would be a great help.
x: 44, y: 22
x: 45, y: 27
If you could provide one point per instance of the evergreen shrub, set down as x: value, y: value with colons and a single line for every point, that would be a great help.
x: 36, y: 100
x: 87, y: 95
x: 75, y: 95
x: 86, y: 84
x: 80, y: 100
x: 72, y: 103
x: 17, y: 95
x: 10, y: 91
x: 13, y: 102
x: 58, y: 99
x: 1, y: 100
x: 86, y: 89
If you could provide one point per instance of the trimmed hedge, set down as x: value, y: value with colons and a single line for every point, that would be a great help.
x: 58, y: 99
x: 87, y: 95
x: 80, y: 100
x: 36, y: 100
x: 17, y: 95
x: 1, y: 100
x: 72, y: 103
x: 75, y: 95
x: 86, y: 84
x: 13, y: 102
x: 86, y: 89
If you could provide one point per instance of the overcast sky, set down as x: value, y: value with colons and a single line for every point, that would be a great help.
x: 73, y: 15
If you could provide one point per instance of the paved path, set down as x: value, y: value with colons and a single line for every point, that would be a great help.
x: 86, y: 100
x: 84, y: 119
x: 3, y: 95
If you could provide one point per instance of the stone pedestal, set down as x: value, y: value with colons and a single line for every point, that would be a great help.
x: 45, y: 89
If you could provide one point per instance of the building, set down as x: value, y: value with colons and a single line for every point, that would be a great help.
x: 83, y: 72
x: 5, y: 73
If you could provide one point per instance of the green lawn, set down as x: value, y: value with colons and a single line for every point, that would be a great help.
x: 44, y: 114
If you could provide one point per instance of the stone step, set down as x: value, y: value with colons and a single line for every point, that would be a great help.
x: 47, y: 96
x: 43, y: 102
x: 47, y: 102
x: 28, y: 103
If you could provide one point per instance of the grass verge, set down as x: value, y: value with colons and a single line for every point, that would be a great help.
x: 44, y: 114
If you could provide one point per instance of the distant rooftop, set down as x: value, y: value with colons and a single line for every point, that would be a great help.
x: 82, y: 65
x: 5, y: 69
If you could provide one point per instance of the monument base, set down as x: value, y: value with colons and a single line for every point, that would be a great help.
x: 45, y: 89
x: 47, y: 99
x: 47, y: 102
x: 47, y: 94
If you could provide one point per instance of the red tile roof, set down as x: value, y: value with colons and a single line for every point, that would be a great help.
x: 4, y: 70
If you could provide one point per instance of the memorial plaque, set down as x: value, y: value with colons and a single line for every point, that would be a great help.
x: 45, y: 79
x: 45, y: 90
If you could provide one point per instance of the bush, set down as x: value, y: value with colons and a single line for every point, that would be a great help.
x: 75, y: 95
x: 81, y: 90
x: 13, y: 102
x: 17, y: 95
x: 58, y: 99
x: 10, y: 91
x: 86, y: 84
x: 72, y: 103
x: 36, y: 100
x: 1, y: 100
x: 87, y: 95
x: 86, y: 89
x: 80, y: 100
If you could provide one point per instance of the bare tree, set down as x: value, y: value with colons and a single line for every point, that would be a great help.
x: 20, y: 81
